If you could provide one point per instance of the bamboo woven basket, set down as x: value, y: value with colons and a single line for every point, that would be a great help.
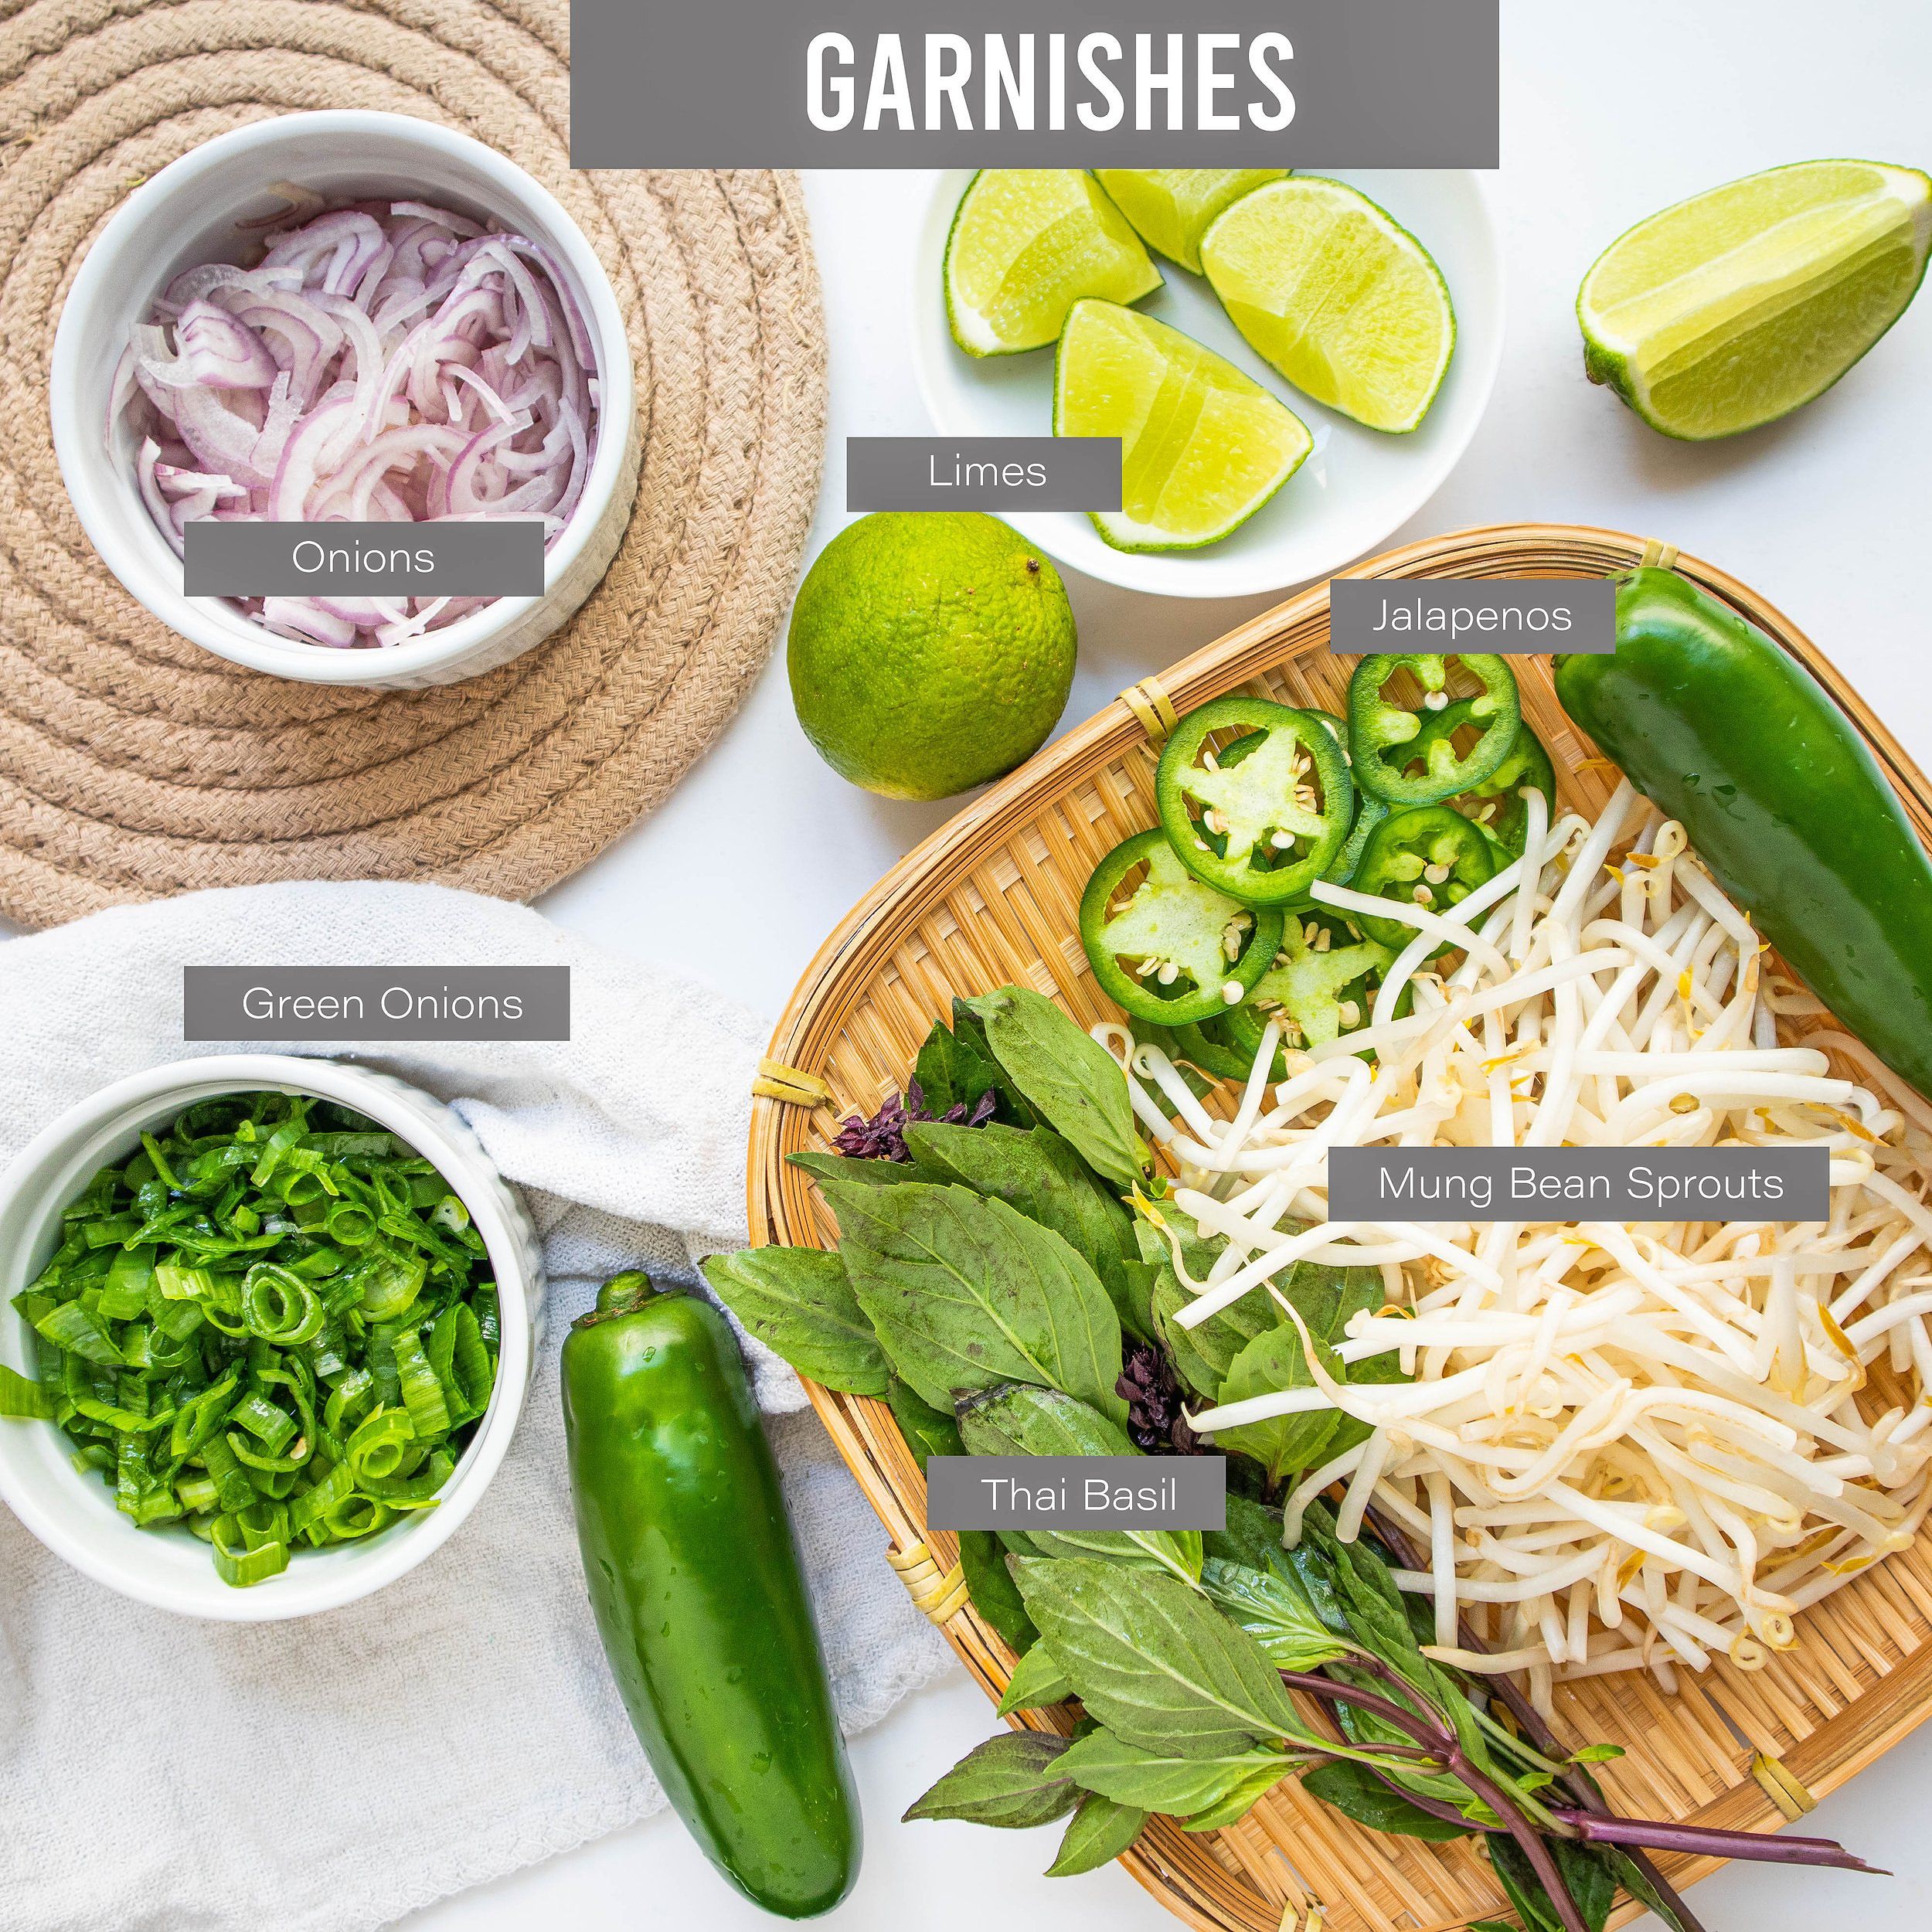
x: 991, y: 898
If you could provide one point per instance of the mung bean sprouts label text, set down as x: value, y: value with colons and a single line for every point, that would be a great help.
x: 1076, y: 1492
x: 1540, y: 1184
x: 341, y: 1003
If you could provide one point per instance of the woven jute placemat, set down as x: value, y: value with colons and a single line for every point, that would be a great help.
x: 133, y: 763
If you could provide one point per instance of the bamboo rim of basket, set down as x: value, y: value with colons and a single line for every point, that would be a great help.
x: 1208, y: 1892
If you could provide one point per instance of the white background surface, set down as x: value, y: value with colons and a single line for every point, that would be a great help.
x: 1607, y: 116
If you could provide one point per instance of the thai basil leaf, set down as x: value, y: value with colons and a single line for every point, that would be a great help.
x: 1202, y: 1354
x: 1590, y: 1873
x: 1590, y: 1876
x: 1014, y: 1780
x: 1019, y: 1421
x: 1163, y: 1781
x: 1036, y: 1172
x: 1238, y: 1802
x: 799, y: 1303
x: 1194, y: 1367
x: 928, y: 1431
x: 1283, y: 1445
x: 1153, y: 1660
x: 933, y: 1432
x: 954, y: 1069
x: 845, y: 1167
x: 1067, y: 1076
x: 1631, y: 1874
x: 1252, y: 1535
x: 965, y: 1293
x: 1099, y: 1832
x: 990, y: 1584
x: 1357, y: 1792
x: 1036, y: 1682
x: 1274, y: 1612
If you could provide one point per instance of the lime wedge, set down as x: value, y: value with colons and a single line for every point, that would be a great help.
x: 1026, y: 244
x: 1202, y: 446
x: 1173, y: 207
x: 1732, y: 308
x: 1346, y: 303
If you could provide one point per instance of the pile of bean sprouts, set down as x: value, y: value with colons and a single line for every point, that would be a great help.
x: 1623, y: 1445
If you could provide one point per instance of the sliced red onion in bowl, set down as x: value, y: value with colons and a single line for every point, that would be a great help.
x: 384, y: 362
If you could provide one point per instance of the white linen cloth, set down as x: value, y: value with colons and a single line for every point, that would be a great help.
x: 159, y: 1773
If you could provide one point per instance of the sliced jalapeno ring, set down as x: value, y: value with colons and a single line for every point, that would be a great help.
x: 1429, y: 856
x: 1260, y: 815
x: 1387, y: 755
x: 1205, y: 1045
x: 1166, y: 947
x: 1498, y: 803
x: 1323, y: 981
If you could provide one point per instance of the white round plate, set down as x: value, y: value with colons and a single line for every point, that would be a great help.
x: 1358, y: 485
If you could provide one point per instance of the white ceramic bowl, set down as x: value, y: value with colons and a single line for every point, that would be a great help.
x: 74, y: 1515
x: 1358, y: 485
x: 188, y: 214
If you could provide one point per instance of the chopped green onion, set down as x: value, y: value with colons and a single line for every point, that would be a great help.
x: 74, y: 1329
x: 422, y: 1391
x: 274, y: 1324
x: 280, y: 1307
x: 241, y: 1563
x: 20, y: 1397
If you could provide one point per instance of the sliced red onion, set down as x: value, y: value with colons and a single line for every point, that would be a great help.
x: 387, y: 362
x: 218, y: 352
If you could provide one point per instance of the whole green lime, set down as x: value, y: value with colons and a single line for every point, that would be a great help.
x: 929, y: 651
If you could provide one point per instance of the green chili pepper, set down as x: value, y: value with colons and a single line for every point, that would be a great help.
x: 1386, y: 757
x: 694, y: 1581
x: 1207, y: 1045
x: 1429, y: 856
x: 1369, y: 812
x: 1779, y: 796
x: 1321, y: 984
x: 1260, y: 817
x: 1164, y: 947
x: 1496, y: 802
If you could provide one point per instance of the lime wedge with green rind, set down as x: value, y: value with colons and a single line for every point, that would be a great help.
x: 1202, y: 445
x: 1026, y: 244
x: 1338, y: 296
x: 1735, y: 307
x: 1172, y: 208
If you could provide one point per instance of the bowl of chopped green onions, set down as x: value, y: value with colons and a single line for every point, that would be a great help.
x: 265, y: 1332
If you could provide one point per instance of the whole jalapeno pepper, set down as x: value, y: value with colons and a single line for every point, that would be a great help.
x: 1382, y: 736
x: 1429, y: 856
x: 1780, y: 796
x: 1260, y: 817
x: 694, y: 1581
x: 1163, y: 946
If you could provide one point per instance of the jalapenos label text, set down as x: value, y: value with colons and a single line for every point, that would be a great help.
x: 1076, y: 1492
x: 1518, y: 615
x: 1437, y: 1184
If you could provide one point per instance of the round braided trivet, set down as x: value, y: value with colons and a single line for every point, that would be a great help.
x: 132, y: 763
